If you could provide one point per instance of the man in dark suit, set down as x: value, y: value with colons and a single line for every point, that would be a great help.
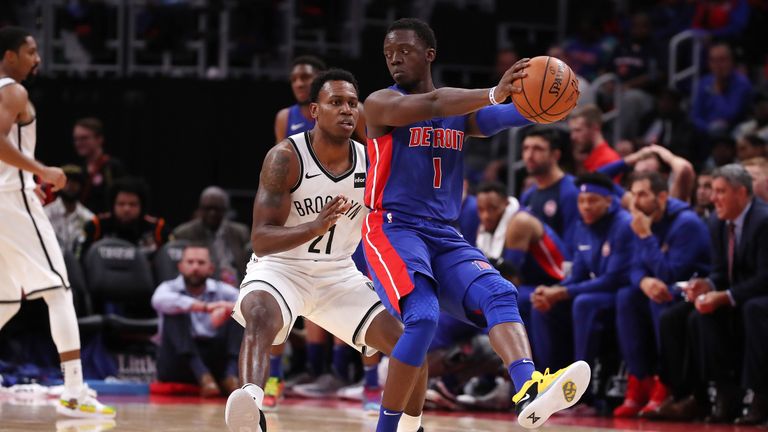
x: 739, y: 280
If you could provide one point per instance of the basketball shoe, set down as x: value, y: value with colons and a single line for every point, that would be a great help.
x: 545, y: 394
x: 242, y: 413
x: 273, y: 393
x: 83, y: 405
x: 638, y: 394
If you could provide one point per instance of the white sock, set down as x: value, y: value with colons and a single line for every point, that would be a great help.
x: 409, y: 423
x: 73, y: 376
x: 256, y: 392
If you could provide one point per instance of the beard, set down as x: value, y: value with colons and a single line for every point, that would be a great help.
x: 194, y: 281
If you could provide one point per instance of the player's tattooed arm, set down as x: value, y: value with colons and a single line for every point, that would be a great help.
x: 272, y: 206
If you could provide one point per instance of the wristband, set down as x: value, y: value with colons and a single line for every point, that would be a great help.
x: 491, y: 96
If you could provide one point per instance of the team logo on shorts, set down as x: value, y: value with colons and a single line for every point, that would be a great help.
x: 569, y: 391
x: 482, y: 265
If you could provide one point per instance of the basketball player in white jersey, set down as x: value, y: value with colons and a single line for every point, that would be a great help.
x: 307, y: 220
x: 31, y: 263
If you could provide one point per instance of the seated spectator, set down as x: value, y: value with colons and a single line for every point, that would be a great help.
x: 101, y: 169
x: 199, y: 343
x: 66, y: 214
x: 758, y: 124
x: 672, y: 245
x: 552, y: 198
x: 703, y: 204
x: 750, y: 146
x: 669, y: 126
x: 706, y: 330
x: 587, y: 50
x: 721, y: 98
x: 128, y: 219
x: 634, y: 62
x: 677, y: 172
x: 758, y: 170
x: 590, y: 149
x: 723, y: 152
x: 586, y: 94
x: 533, y: 249
x: 227, y: 239
x: 569, y: 314
x: 725, y: 19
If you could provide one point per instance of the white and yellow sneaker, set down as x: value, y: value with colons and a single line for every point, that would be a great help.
x: 83, y: 405
x: 545, y: 394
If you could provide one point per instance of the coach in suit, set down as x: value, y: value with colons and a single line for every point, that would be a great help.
x: 739, y: 280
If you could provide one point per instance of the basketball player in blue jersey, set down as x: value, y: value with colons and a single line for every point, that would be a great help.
x: 305, y: 229
x: 418, y: 262
x: 31, y: 262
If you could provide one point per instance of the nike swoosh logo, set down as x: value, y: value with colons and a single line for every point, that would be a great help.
x: 387, y: 413
x: 296, y: 126
x: 524, y: 398
x: 307, y: 176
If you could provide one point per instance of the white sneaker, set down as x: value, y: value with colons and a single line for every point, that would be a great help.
x: 243, y: 414
x: 352, y: 392
x: 83, y: 405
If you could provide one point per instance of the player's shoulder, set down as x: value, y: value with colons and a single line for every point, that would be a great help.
x: 283, y: 113
x: 13, y: 93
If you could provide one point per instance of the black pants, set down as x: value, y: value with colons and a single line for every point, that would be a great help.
x: 179, y: 348
x: 755, y: 317
x: 720, y: 343
x: 678, y: 366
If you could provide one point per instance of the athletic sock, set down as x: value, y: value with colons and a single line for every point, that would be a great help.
x: 73, y: 375
x: 388, y: 420
x: 276, y: 366
x: 315, y: 358
x: 520, y: 371
x: 409, y: 423
x: 372, y: 376
x: 341, y: 361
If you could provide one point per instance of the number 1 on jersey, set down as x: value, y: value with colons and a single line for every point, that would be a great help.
x: 438, y: 180
x: 327, y: 246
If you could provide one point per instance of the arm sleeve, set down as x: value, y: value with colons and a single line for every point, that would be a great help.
x: 615, y: 168
x: 757, y: 285
x: 680, y: 259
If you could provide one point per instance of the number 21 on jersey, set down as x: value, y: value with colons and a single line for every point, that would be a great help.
x: 328, y: 245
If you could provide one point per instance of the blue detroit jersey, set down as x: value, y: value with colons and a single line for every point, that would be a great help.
x: 418, y: 169
x: 297, y: 123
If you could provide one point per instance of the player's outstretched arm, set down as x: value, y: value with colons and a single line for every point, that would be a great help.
x: 13, y: 102
x: 388, y: 108
x: 279, y: 174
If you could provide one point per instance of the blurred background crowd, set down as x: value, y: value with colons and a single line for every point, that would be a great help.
x: 645, y: 245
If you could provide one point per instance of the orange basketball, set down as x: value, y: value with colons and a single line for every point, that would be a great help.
x: 550, y: 91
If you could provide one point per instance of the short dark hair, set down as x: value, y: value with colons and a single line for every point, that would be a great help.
x: 495, y: 187
x: 311, y: 60
x: 131, y: 185
x: 735, y: 174
x: 658, y: 184
x: 12, y: 38
x: 330, y: 75
x: 422, y: 30
x: 598, y: 179
x: 92, y: 124
x: 549, y: 135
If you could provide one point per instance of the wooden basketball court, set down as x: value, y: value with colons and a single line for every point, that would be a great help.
x: 141, y: 414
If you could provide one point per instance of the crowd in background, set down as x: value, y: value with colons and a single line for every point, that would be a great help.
x: 646, y: 256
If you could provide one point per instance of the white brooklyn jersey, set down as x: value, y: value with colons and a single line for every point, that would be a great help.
x: 316, y: 186
x: 23, y: 137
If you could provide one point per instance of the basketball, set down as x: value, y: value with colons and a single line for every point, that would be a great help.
x: 550, y: 91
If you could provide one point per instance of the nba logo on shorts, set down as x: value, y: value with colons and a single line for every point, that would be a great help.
x: 482, y: 265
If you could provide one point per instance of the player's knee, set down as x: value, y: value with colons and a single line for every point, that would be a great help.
x: 261, y: 312
x: 582, y: 304
x: 412, y: 347
x: 497, y: 298
x: 626, y: 298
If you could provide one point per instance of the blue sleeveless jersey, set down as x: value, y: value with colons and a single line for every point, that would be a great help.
x: 418, y: 169
x: 297, y: 123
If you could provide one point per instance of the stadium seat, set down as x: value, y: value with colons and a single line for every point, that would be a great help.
x: 86, y: 319
x: 120, y: 277
x: 166, y: 260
